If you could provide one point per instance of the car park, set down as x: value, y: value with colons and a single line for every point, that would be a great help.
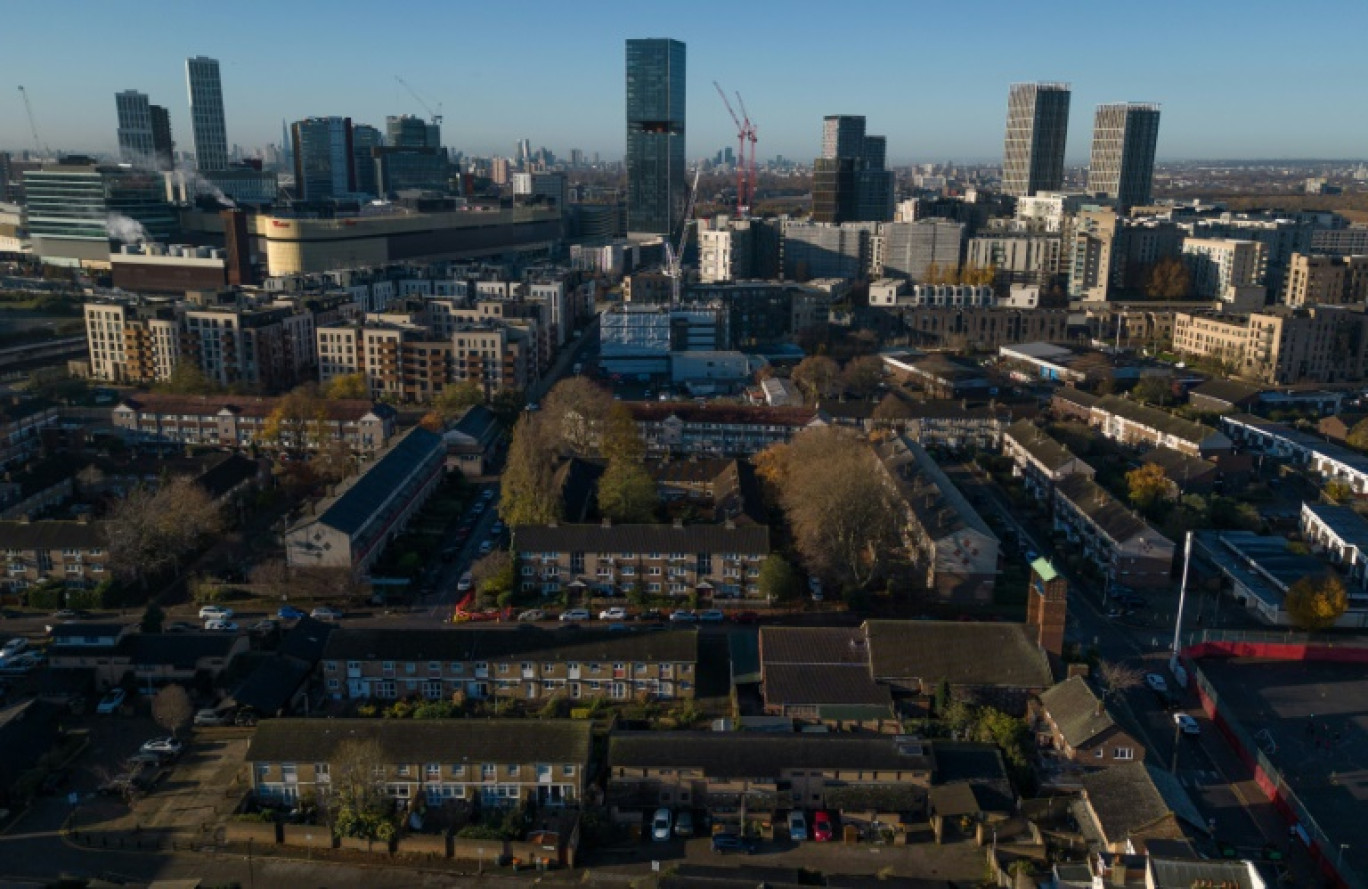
x: 683, y: 615
x: 797, y: 826
x: 289, y: 612
x: 617, y: 612
x: 215, y: 612
x: 1156, y: 683
x: 532, y: 614
x: 576, y: 614
x: 1186, y: 724
x: 712, y: 616
x: 661, y: 824
x: 730, y: 842
x: 167, y: 746
x: 209, y: 717
x: 822, y: 830
x: 323, y: 612
x: 111, y: 702
x: 221, y: 626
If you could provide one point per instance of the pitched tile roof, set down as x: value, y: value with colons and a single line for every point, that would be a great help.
x: 1155, y: 418
x: 349, y: 510
x: 642, y: 538
x: 1038, y: 443
x: 480, y: 644
x: 1105, y: 511
x: 813, y: 645
x: 1178, y: 466
x: 940, y: 508
x: 43, y: 535
x: 435, y: 740
x: 1126, y: 799
x: 1076, y: 397
x: 1232, y: 392
x: 181, y: 651
x: 805, y: 684
x: 1076, y: 710
x: 753, y: 755
x: 728, y: 414
x: 346, y: 409
x: 934, y: 650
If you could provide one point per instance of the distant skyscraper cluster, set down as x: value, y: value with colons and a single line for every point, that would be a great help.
x: 850, y: 180
x: 656, y: 189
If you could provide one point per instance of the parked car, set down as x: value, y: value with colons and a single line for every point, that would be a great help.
x: 111, y: 702
x: 497, y: 529
x: 1156, y: 683
x: 712, y: 616
x: 576, y: 614
x: 822, y: 830
x: 730, y: 842
x: 221, y: 626
x: 263, y: 626
x: 164, y: 746
x: 477, y: 509
x: 245, y: 716
x: 13, y: 647
x: 532, y: 614
x: 179, y: 626
x: 323, y: 612
x: 683, y: 615
x: 289, y: 612
x: 210, y: 717
x: 71, y: 614
x: 486, y: 547
x: 660, y: 825
x: 617, y: 612
x: 684, y: 825
x: 815, y: 588
x: 1186, y: 724
x: 215, y: 612
x: 465, y: 583
x: 746, y: 617
x: 487, y: 494
x: 797, y: 824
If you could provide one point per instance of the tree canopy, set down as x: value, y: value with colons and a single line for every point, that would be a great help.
x: 1316, y: 603
x: 816, y: 375
x: 529, y: 495
x: 151, y: 529
x: 347, y: 386
x: 1148, y: 486
x: 577, y: 410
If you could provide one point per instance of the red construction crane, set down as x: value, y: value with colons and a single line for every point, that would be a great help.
x: 751, y: 136
x: 745, y: 174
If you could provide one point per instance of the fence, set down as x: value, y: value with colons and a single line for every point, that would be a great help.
x: 1267, y: 775
x: 1226, y: 642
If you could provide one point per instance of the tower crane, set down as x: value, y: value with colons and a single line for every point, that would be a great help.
x: 435, y: 115
x: 33, y: 125
x: 674, y: 256
x: 741, y: 206
x: 752, y: 135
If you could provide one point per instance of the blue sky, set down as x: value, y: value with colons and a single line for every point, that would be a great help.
x: 1249, y: 79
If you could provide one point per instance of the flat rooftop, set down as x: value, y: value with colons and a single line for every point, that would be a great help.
x: 1294, y: 710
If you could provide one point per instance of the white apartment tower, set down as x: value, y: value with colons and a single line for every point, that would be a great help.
x: 1037, y: 128
x: 206, y: 113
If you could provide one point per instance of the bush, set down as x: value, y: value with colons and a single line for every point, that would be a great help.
x: 88, y: 600
x: 47, y: 596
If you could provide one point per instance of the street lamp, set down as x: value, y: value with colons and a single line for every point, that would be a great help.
x: 1182, y: 601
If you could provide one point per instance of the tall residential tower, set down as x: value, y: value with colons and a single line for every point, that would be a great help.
x: 206, y: 113
x: 656, y: 188
x: 144, y: 131
x: 1037, y: 128
x: 850, y: 182
x: 1122, y: 165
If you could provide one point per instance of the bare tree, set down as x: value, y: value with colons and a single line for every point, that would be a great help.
x: 529, y: 492
x: 816, y: 375
x: 1118, y: 678
x: 357, y: 776
x: 172, y: 709
x: 577, y: 410
x: 151, y: 530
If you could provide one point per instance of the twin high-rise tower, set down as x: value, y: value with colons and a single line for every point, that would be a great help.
x: 206, y: 113
x: 144, y: 131
x: 1124, y: 139
x: 656, y: 189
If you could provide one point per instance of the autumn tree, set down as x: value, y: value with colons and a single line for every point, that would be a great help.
x: 621, y: 439
x: 816, y: 375
x: 576, y: 410
x: 454, y: 400
x: 298, y: 422
x: 151, y: 529
x: 172, y: 708
x: 347, y: 387
x: 779, y: 582
x: 356, y: 773
x: 1358, y: 435
x: 507, y: 405
x: 187, y: 379
x: 494, y: 578
x: 1153, y: 389
x: 627, y: 493
x: 1168, y: 278
x: 1317, y: 602
x: 1148, y: 486
x: 1337, y: 490
x: 529, y: 494
x: 842, y: 514
x: 861, y: 376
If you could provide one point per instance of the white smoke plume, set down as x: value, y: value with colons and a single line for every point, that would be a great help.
x: 125, y: 229
x: 195, y: 184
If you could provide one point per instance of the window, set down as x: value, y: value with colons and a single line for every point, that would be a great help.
x: 489, y: 771
x: 503, y: 668
x: 433, y: 771
x: 568, y: 771
x: 410, y: 668
x: 321, y: 772
x: 404, y: 770
x: 458, y: 770
x: 1124, y: 753
x: 513, y: 771
x: 330, y: 666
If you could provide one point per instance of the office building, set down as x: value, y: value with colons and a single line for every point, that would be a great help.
x: 324, y: 159
x: 407, y: 131
x: 75, y: 207
x: 655, y: 136
x: 365, y: 139
x: 1037, y: 128
x: 850, y: 182
x: 163, y: 146
x: 206, y: 113
x: 843, y: 135
x: 135, y: 128
x: 1122, y: 165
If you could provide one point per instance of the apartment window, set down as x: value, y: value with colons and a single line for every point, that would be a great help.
x: 433, y: 771
x: 489, y: 771
x: 458, y: 770
x: 404, y: 770
x: 513, y: 770
x: 410, y: 668
x: 1124, y: 753
x: 321, y: 773
x: 503, y: 668
x: 330, y: 666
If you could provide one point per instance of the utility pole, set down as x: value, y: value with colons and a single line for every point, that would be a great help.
x: 1182, y: 600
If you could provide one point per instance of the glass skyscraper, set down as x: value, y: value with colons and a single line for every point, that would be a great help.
x: 206, y: 113
x: 1125, y: 136
x: 1037, y: 128
x: 655, y: 136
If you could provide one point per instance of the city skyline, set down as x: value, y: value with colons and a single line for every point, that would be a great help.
x: 937, y: 98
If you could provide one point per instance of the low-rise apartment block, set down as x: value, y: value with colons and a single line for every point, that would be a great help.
x: 1331, y: 461
x: 495, y: 763
x: 352, y: 528
x: 1230, y: 270
x: 1139, y: 425
x: 1319, y: 279
x: 983, y: 329
x: 235, y: 421
x: 1339, y: 535
x: 73, y: 553
x: 22, y: 421
x: 1281, y: 345
x: 717, y: 430
x: 945, y: 536
x: 1122, y: 546
x: 715, y: 561
x: 1039, y: 460
x: 524, y: 666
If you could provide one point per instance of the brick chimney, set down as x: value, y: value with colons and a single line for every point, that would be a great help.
x: 1046, y: 609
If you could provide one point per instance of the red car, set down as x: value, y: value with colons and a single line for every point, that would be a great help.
x: 821, y: 828
x: 746, y: 617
